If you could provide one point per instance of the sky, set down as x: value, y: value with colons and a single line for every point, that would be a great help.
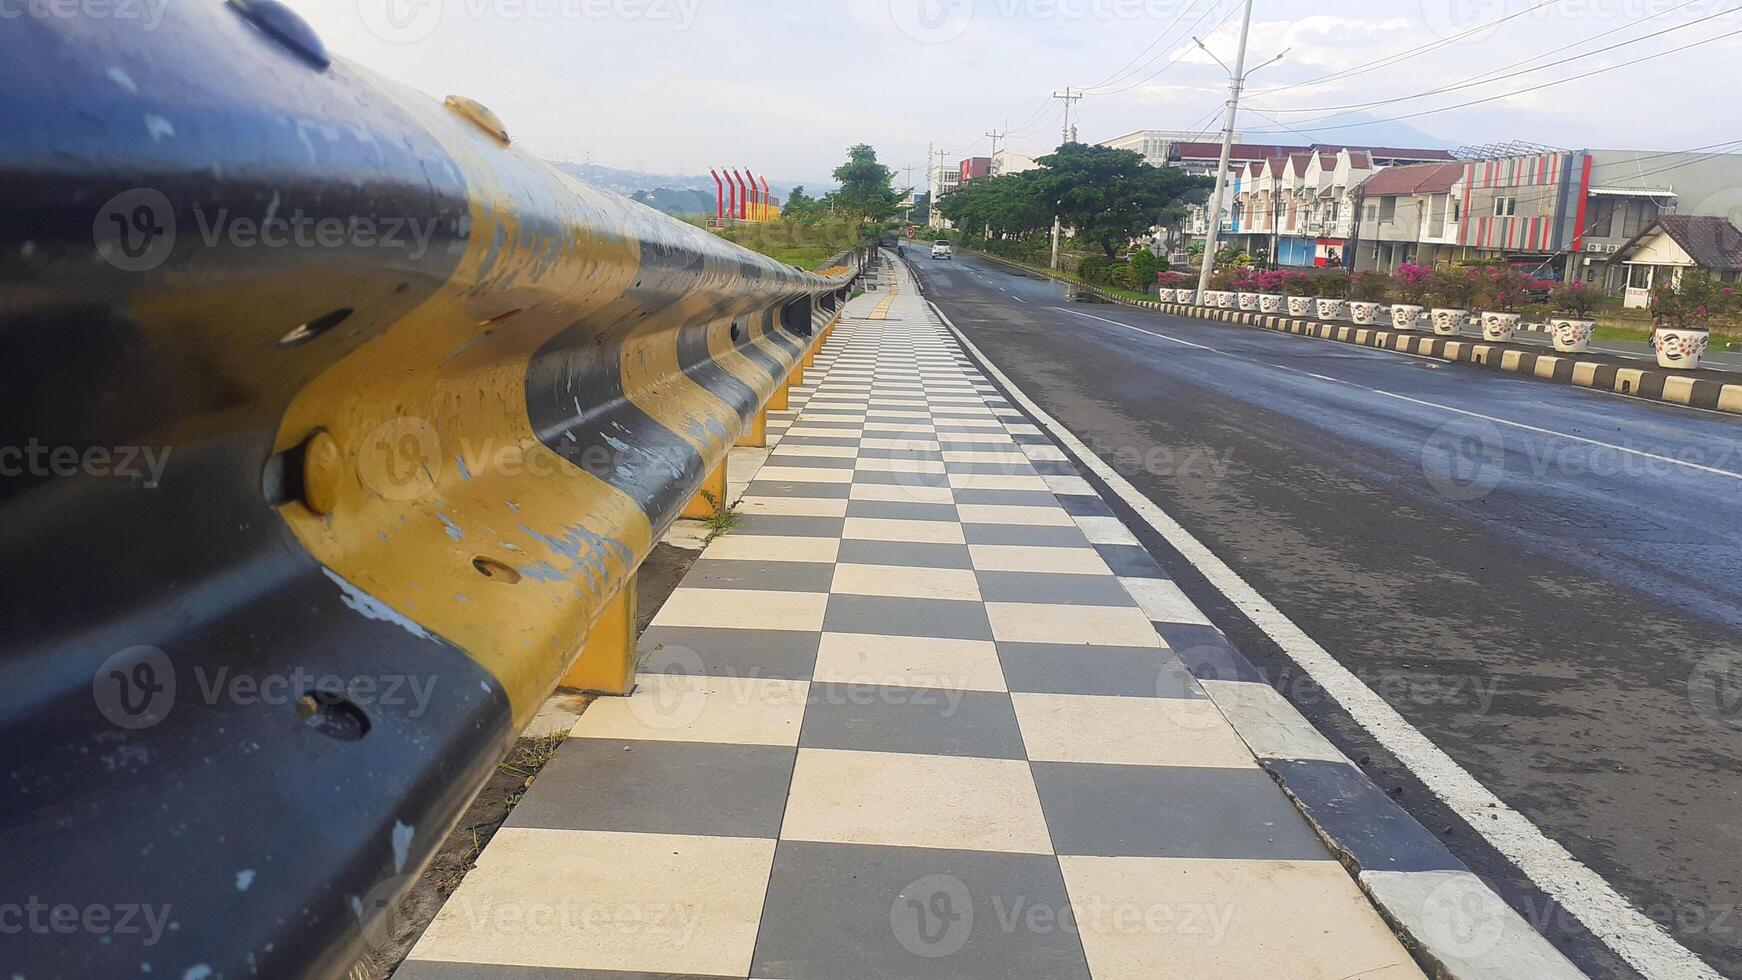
x: 785, y: 86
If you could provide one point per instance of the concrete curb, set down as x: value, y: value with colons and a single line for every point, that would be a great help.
x: 1454, y: 924
x: 1650, y: 383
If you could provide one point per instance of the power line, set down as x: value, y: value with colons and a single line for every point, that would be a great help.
x: 1488, y: 76
x: 1532, y: 88
x: 1127, y: 69
x: 1177, y: 59
x: 1402, y: 56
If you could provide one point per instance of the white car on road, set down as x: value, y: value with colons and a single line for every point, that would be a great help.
x: 942, y: 250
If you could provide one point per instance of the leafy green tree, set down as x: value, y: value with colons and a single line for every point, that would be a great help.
x: 799, y: 206
x: 1010, y: 205
x: 866, y: 187
x: 1111, y: 196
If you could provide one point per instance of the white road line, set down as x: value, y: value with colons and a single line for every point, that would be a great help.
x: 1633, y: 936
x: 1417, y: 401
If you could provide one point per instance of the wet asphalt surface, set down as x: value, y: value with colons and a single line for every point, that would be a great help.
x: 1561, y: 617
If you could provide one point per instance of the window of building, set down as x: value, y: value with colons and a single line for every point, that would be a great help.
x: 1457, y: 210
x: 1387, y: 208
x: 1505, y: 207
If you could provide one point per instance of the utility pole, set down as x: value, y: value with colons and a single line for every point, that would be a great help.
x: 1055, y: 242
x: 996, y: 136
x: 1069, y: 98
x: 1236, y: 79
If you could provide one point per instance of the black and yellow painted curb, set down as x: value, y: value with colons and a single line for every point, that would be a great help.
x: 1605, y: 374
x: 421, y: 404
x: 1609, y: 374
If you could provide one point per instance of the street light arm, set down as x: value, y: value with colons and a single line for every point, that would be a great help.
x: 1212, y: 54
x: 1267, y: 64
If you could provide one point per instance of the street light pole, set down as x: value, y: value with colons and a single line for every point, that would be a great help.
x: 1236, y: 79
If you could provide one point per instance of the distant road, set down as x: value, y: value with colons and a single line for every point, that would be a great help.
x: 1544, y: 580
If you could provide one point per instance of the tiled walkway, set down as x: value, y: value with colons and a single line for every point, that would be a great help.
x: 912, y: 718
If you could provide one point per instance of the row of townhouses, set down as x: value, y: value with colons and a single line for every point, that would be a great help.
x: 1615, y: 218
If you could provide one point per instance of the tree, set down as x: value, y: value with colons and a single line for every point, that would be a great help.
x: 866, y: 188
x: 1111, y: 196
x: 1012, y: 205
x: 799, y: 206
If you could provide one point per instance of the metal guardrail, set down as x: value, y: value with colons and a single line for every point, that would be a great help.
x: 331, y: 420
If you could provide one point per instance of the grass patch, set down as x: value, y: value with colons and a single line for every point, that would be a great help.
x: 797, y: 243
x: 724, y: 519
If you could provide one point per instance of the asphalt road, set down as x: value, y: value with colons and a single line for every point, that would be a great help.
x: 1546, y: 581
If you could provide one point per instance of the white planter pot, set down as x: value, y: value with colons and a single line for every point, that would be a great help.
x: 1363, y: 313
x: 1329, y: 309
x: 1215, y: 297
x: 1499, y: 326
x: 1680, y: 348
x: 1570, y: 336
x: 1164, y: 295
x: 1248, y: 301
x: 1447, y: 321
x: 1300, y: 306
x: 1404, y: 316
x: 1270, y: 302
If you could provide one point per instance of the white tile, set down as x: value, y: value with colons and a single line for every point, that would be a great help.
x: 774, y: 547
x: 793, y: 506
x: 1163, y: 602
x: 1128, y: 731
x: 743, y: 609
x: 1034, y: 622
x: 909, y: 661
x: 924, y: 532
x: 1014, y: 514
x: 1105, y: 530
x: 906, y: 582
x: 915, y: 801
x: 684, y: 708
x: 576, y: 900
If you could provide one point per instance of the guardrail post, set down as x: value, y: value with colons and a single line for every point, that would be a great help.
x: 607, y: 661
x: 755, y: 435
x: 710, y: 500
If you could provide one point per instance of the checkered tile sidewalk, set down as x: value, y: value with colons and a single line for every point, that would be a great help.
x: 916, y: 716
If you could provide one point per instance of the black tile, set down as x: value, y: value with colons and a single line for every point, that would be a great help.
x: 1361, y: 819
x: 854, y: 910
x: 902, y: 511
x: 650, y: 787
x: 1129, y: 560
x: 916, y: 720
x: 1171, y: 811
x: 719, y: 652
x: 1018, y: 498
x: 789, y: 525
x: 1207, y: 653
x: 799, y: 488
x: 1066, y: 668
x: 773, y: 576
x: 886, y: 616
x: 1084, y: 505
x: 1073, y: 590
